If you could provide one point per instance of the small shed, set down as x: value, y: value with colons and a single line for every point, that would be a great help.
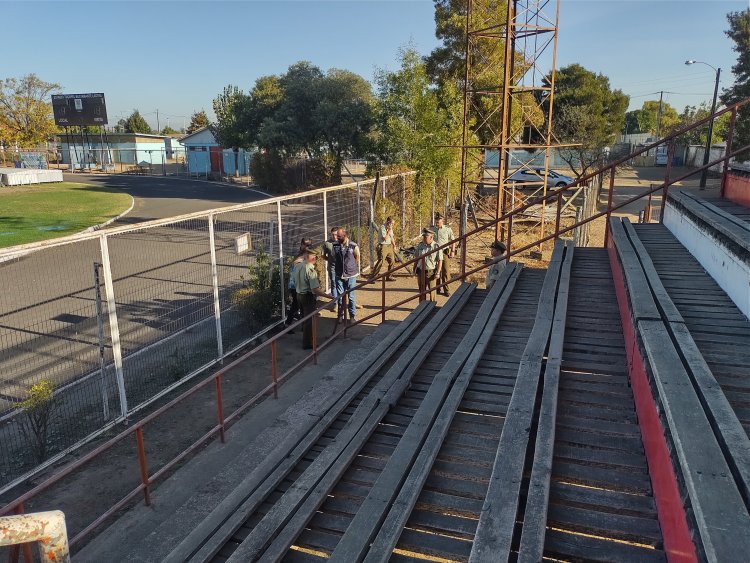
x: 205, y: 155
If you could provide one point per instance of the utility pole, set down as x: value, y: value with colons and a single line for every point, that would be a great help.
x: 707, y: 150
x: 658, y: 117
x: 158, y: 129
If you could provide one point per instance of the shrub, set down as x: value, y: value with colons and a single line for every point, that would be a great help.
x: 38, y: 408
x: 259, y: 299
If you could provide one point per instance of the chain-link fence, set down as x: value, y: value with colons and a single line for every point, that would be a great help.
x: 96, y: 326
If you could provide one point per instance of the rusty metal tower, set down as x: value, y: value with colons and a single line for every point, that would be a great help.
x: 508, y: 95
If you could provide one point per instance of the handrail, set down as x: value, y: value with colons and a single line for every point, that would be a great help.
x: 225, y: 422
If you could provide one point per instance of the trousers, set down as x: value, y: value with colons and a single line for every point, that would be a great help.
x: 309, y: 302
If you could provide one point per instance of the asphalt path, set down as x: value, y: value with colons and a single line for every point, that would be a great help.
x: 159, y: 197
x: 161, y: 279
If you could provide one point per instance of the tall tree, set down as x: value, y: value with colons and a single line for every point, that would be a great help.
x: 588, y: 114
x: 169, y: 131
x: 135, y: 123
x: 739, y: 32
x: 25, y: 110
x: 446, y: 65
x: 229, y: 107
x: 198, y: 120
x: 652, y: 122
x: 415, y: 126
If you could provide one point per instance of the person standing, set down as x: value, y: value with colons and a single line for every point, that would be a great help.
x: 295, y: 307
x: 386, y: 249
x: 347, y: 270
x: 432, y: 262
x: 308, y: 290
x: 330, y: 259
x: 444, y: 235
x: 497, y: 249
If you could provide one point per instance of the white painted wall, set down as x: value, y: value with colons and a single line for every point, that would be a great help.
x: 730, y: 271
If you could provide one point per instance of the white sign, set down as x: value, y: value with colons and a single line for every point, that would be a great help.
x: 243, y: 243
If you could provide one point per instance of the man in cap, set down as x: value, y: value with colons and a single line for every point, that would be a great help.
x: 444, y: 235
x: 386, y: 249
x: 431, y: 262
x: 308, y: 290
x: 497, y: 249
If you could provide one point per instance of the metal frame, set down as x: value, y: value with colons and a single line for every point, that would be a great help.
x: 223, y: 422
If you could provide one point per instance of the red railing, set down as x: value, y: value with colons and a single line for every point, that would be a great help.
x: 17, y: 505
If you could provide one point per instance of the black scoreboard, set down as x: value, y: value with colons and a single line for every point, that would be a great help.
x: 79, y: 109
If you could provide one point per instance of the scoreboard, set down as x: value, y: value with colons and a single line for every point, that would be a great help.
x: 79, y: 109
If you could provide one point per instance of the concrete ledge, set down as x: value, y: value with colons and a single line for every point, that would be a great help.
x: 721, y: 251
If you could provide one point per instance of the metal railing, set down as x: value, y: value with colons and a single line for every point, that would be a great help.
x: 224, y: 421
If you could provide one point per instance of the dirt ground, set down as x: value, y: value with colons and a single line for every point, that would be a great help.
x: 91, y: 490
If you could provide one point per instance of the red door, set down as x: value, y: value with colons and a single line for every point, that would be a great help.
x: 217, y: 160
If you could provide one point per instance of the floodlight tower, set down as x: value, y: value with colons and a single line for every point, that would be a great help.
x: 508, y: 95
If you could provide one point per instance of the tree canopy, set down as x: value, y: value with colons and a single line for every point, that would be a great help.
x: 25, y: 110
x: 586, y: 113
x: 135, y: 123
x: 739, y: 33
x: 198, y: 120
x: 693, y: 114
x: 646, y: 119
x: 229, y: 107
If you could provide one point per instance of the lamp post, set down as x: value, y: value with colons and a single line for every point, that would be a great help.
x: 707, y: 152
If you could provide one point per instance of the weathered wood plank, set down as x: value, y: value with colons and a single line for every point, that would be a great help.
x: 399, y: 485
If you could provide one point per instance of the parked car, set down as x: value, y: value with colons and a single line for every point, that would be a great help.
x: 533, y: 178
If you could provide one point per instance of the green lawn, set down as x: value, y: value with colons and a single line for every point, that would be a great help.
x: 44, y: 211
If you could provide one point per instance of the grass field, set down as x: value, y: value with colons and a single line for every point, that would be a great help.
x: 45, y: 211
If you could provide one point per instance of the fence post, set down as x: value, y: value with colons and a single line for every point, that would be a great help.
x: 281, y: 260
x: 464, y: 241
x: 728, y: 150
x: 609, y: 205
x: 114, y: 329
x: 142, y: 464
x: 447, y: 196
x: 369, y: 231
x: 403, y: 207
x: 359, y: 216
x: 325, y: 236
x: 100, y: 334
x: 667, y: 173
x: 215, y: 284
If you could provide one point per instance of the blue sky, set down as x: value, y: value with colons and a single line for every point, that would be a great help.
x: 177, y: 55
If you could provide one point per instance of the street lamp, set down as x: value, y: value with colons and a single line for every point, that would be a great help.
x: 707, y: 152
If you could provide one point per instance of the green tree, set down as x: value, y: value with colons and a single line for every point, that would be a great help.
x: 415, y: 127
x: 229, y: 108
x: 327, y: 116
x: 135, y: 123
x: 693, y: 114
x: 650, y: 117
x: 198, y: 120
x: 25, y: 110
x: 739, y: 32
x: 588, y: 114
x: 169, y: 131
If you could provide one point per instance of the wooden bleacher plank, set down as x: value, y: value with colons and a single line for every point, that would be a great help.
x: 497, y: 521
x: 384, y: 516
x: 290, y: 514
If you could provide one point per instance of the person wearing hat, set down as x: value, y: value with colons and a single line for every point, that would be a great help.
x: 444, y: 235
x: 386, y: 249
x: 432, y: 262
x: 330, y: 259
x: 307, y: 286
x: 496, y: 268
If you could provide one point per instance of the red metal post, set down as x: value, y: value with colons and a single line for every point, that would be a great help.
x: 728, y: 150
x: 345, y: 305
x: 609, y: 204
x: 423, y: 279
x: 648, y: 208
x: 665, y: 191
x: 15, y: 551
x: 315, y: 337
x: 557, y: 216
x: 274, y: 370
x: 510, y: 231
x: 382, y: 298
x: 143, y: 465
x: 220, y: 408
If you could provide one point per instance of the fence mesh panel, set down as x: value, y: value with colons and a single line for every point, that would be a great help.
x: 100, y: 364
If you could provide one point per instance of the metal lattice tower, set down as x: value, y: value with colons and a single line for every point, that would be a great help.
x: 508, y: 93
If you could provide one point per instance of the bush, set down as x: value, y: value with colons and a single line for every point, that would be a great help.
x: 38, y: 408
x: 277, y: 174
x: 259, y: 299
